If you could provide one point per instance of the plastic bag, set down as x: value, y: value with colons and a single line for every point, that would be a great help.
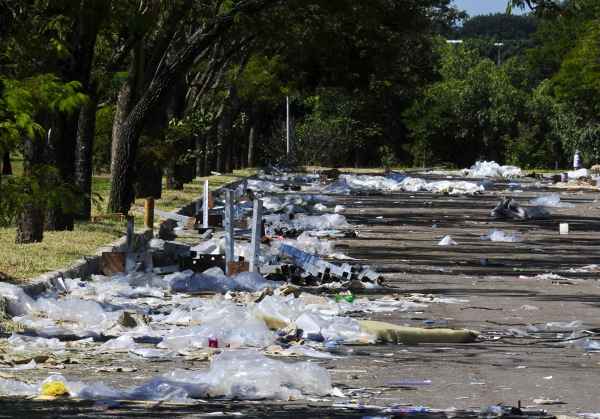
x: 447, y: 241
x: 552, y: 200
x: 501, y: 236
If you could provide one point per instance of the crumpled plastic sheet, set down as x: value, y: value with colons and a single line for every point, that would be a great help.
x: 243, y: 374
x: 216, y: 281
x: 552, y: 200
x: 264, y: 186
x: 219, y: 319
x: 502, y: 236
x: 307, y: 243
x: 447, y: 241
x: 320, y: 222
x: 68, y: 316
x: 304, y: 222
x: 122, y: 343
x: 295, y: 203
x: 321, y: 318
x: 23, y: 343
x: 399, y: 183
x: 483, y: 169
x: 19, y: 302
x: 576, y: 174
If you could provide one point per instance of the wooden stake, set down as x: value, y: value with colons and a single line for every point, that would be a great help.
x: 149, y: 213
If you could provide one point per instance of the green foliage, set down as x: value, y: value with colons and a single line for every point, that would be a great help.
x: 388, y: 157
x: 466, y: 115
x: 328, y: 134
x: 261, y: 79
x: 500, y: 26
x: 578, y: 80
x: 22, y: 102
x: 103, y: 139
x: 539, y: 142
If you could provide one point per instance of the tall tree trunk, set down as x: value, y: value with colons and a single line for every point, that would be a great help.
x: 30, y: 224
x: 83, y: 157
x: 30, y: 221
x: 6, y: 165
x: 207, y: 155
x: 228, y: 152
x: 251, y: 146
x: 61, y: 153
x: 63, y: 144
x: 124, y: 146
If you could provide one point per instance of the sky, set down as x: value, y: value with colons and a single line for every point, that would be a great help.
x: 482, y: 7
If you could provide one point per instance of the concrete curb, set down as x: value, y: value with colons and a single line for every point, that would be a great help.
x: 90, y: 265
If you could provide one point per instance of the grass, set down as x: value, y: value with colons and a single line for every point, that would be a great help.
x: 18, y: 263
x: 58, y: 250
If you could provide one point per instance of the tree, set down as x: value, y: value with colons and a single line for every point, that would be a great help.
x: 26, y: 103
x: 135, y: 106
x: 468, y: 114
x: 377, y: 52
x: 499, y: 26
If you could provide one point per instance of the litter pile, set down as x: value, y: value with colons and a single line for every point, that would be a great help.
x: 491, y: 169
x: 175, y: 300
x: 243, y: 374
x: 397, y: 182
x: 510, y: 209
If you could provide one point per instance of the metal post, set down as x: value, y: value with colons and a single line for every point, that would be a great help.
x: 288, y: 145
x: 205, y: 205
x: 256, y: 235
x: 228, y: 224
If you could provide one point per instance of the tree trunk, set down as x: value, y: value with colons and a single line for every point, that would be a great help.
x: 6, y: 165
x: 83, y: 158
x: 173, y: 182
x: 71, y: 139
x: 207, y: 159
x: 124, y: 146
x: 251, y: 146
x: 228, y: 152
x: 30, y: 221
x: 198, y: 140
x: 61, y: 152
x: 30, y: 225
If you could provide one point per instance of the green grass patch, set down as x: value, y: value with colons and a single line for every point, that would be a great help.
x: 58, y: 250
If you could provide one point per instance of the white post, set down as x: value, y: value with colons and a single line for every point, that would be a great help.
x: 288, y: 145
x: 205, y: 205
x: 256, y: 235
x: 229, y: 238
